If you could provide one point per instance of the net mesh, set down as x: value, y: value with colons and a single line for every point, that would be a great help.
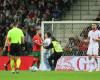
x: 72, y: 35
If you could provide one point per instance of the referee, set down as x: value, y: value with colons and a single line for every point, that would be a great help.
x: 16, y: 38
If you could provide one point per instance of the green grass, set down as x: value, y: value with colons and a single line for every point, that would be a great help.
x: 49, y: 75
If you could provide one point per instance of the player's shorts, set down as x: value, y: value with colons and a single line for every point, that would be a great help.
x: 36, y: 54
x: 92, y: 50
x: 15, y: 49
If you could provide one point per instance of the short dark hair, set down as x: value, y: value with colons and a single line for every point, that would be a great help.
x: 95, y: 23
x: 15, y: 22
x: 48, y: 34
x: 54, y: 39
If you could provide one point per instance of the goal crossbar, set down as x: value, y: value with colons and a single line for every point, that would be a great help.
x: 43, y: 22
x: 54, y: 25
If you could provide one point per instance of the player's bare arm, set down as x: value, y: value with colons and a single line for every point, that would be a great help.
x: 98, y: 39
x: 36, y: 42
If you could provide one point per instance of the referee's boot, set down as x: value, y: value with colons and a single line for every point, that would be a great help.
x: 17, y: 70
x: 13, y: 71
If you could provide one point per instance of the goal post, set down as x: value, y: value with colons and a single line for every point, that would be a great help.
x: 65, y: 28
x: 65, y: 31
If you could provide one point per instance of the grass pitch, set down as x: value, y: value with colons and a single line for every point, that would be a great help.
x: 49, y: 75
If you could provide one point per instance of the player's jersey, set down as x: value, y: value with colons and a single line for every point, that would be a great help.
x: 94, y: 35
x: 47, y: 42
x: 38, y: 40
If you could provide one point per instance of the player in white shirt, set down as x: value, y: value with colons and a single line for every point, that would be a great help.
x: 47, y: 40
x: 93, y: 48
x: 47, y: 51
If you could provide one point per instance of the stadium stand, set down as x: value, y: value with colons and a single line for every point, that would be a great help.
x: 29, y: 14
x: 83, y: 10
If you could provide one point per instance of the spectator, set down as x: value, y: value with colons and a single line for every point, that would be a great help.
x: 29, y: 12
x: 32, y: 6
x: 98, y: 17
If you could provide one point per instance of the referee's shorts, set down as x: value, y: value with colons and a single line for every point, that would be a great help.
x: 15, y: 49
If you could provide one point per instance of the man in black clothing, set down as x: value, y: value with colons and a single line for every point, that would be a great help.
x: 57, y: 53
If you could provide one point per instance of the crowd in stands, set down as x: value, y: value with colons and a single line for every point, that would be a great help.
x: 77, y: 46
x: 29, y: 14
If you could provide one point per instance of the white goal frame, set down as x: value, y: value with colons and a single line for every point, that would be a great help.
x: 52, y: 22
x: 61, y: 22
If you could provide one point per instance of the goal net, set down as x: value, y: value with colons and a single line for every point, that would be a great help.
x: 71, y: 34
